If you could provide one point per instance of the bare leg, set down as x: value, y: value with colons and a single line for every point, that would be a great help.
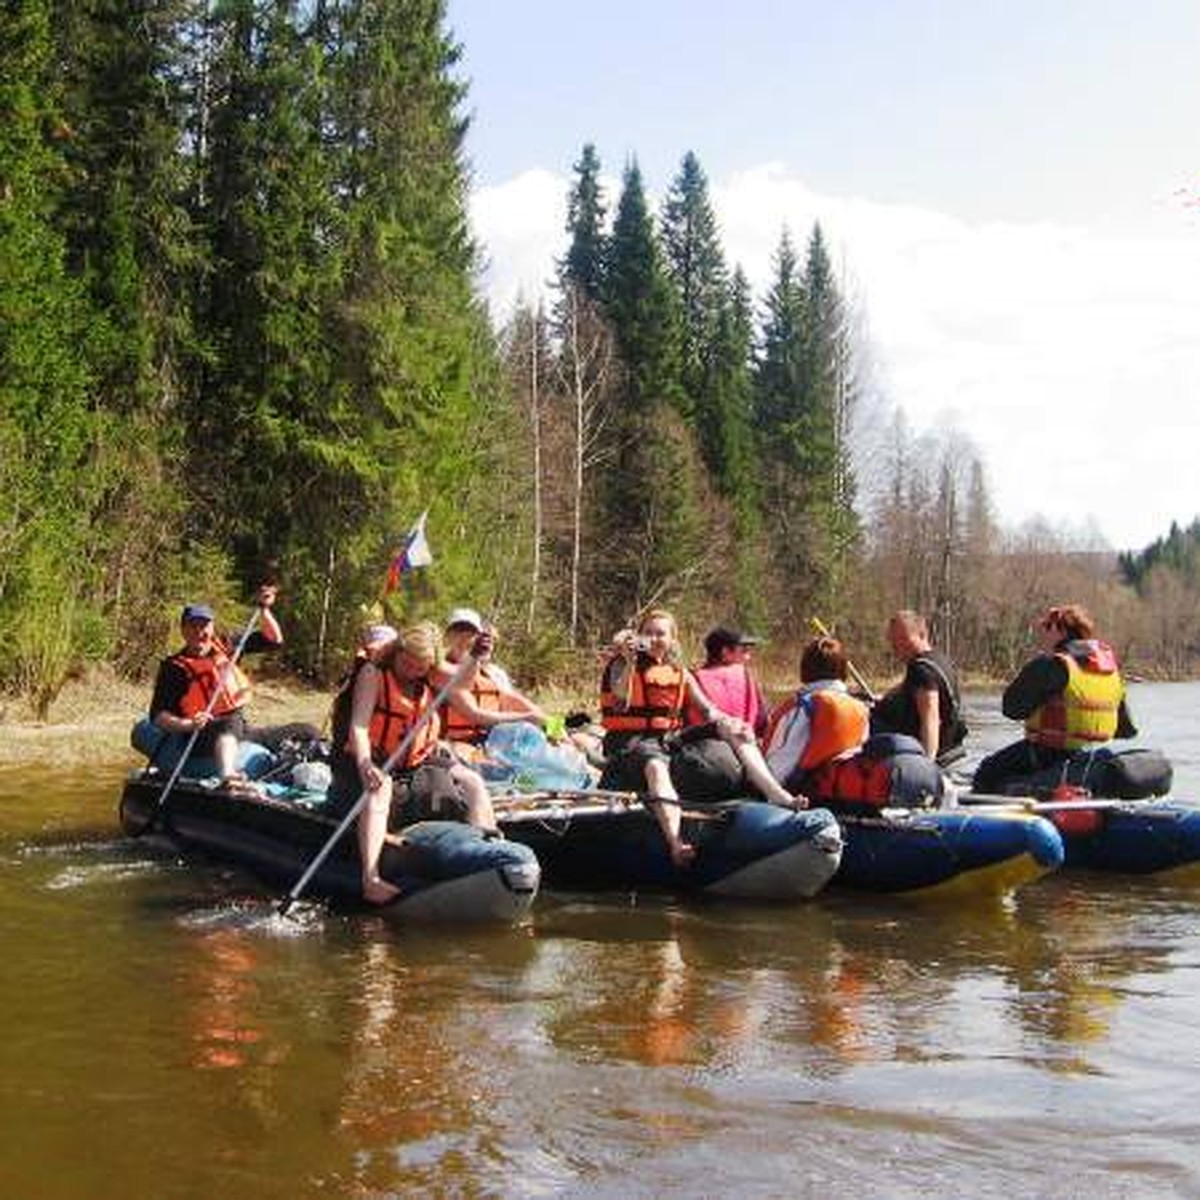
x: 658, y: 783
x: 372, y: 829
x: 479, y: 803
x: 225, y: 750
x: 759, y: 774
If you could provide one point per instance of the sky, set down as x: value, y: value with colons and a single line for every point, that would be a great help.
x: 1011, y: 192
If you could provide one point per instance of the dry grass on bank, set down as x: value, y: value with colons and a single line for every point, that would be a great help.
x: 91, y: 719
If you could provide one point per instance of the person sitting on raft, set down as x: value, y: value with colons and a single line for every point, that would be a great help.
x: 926, y: 703
x: 391, y: 698
x: 187, y: 680
x: 1070, y: 696
x: 821, y: 723
x: 644, y: 692
x: 486, y: 696
x: 727, y: 680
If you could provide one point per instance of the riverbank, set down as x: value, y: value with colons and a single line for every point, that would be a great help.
x: 90, y: 719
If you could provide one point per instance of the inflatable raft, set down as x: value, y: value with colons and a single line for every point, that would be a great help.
x: 745, y: 849
x: 446, y: 871
x: 936, y: 852
x: 1131, y: 837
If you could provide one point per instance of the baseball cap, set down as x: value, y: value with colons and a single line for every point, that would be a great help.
x: 722, y: 636
x: 376, y: 635
x: 465, y: 616
x: 196, y: 612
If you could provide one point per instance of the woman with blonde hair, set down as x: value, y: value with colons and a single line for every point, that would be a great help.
x: 393, y: 698
x: 644, y: 693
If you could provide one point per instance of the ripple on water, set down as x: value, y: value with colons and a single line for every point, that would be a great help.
x: 257, y: 916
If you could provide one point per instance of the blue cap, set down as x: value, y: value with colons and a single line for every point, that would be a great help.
x: 196, y: 612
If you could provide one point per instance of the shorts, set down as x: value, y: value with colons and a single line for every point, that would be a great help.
x: 233, y: 723
x: 427, y: 793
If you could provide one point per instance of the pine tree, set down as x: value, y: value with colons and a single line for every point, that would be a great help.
x: 649, y: 501
x: 132, y: 244
x: 49, y: 425
x: 696, y: 265
x: 583, y: 265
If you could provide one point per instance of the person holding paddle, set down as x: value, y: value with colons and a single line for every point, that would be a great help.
x: 393, y: 721
x: 202, y: 691
x: 486, y: 697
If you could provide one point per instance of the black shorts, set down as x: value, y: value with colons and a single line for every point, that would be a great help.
x: 233, y: 723
x: 427, y: 793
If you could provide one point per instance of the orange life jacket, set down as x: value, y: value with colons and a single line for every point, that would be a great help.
x: 838, y: 724
x: 486, y: 693
x: 657, y: 692
x: 731, y: 687
x: 396, y: 712
x: 1085, y: 712
x: 209, y: 673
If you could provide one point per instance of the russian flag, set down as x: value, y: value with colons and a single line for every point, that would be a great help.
x: 414, y: 553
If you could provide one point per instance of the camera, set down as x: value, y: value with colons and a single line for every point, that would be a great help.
x: 642, y: 644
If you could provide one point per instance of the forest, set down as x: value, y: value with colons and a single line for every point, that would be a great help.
x: 242, y: 337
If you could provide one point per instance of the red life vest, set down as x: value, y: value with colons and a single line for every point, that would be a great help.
x: 209, y: 673
x: 486, y: 693
x: 731, y: 687
x: 396, y: 712
x: 657, y: 692
x: 854, y: 780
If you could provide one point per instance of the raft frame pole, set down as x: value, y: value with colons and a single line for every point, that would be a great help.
x: 467, y: 664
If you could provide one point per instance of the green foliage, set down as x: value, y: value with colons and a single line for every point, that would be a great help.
x: 583, y: 265
x: 1178, y: 552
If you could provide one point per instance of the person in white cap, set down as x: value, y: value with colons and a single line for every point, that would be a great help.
x: 486, y: 697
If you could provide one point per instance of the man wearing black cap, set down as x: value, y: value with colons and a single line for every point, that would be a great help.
x: 726, y: 678
x: 201, y: 690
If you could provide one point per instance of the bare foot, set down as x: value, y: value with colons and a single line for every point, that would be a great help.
x: 683, y: 854
x: 379, y: 891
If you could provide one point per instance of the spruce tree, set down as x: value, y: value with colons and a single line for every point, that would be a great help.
x: 696, y: 265
x: 583, y: 265
x: 650, y: 494
x: 49, y: 423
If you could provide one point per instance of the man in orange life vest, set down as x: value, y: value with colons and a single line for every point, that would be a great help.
x: 188, y: 679
x: 1070, y: 696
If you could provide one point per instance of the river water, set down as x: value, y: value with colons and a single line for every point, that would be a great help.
x: 165, y: 1035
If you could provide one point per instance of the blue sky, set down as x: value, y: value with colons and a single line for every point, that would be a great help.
x: 1024, y: 160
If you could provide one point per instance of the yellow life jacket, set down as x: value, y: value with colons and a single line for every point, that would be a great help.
x: 1084, y: 713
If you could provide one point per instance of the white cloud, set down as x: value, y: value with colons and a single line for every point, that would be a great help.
x: 1069, y: 355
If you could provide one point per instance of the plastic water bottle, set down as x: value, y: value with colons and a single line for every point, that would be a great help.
x: 523, y: 748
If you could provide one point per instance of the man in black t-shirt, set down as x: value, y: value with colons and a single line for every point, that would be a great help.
x: 926, y: 703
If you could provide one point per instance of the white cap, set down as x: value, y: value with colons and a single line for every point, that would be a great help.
x: 465, y: 616
x: 375, y: 635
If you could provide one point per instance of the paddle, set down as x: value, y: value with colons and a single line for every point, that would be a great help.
x: 819, y: 627
x: 159, y: 804
x: 397, y: 755
x: 994, y: 801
